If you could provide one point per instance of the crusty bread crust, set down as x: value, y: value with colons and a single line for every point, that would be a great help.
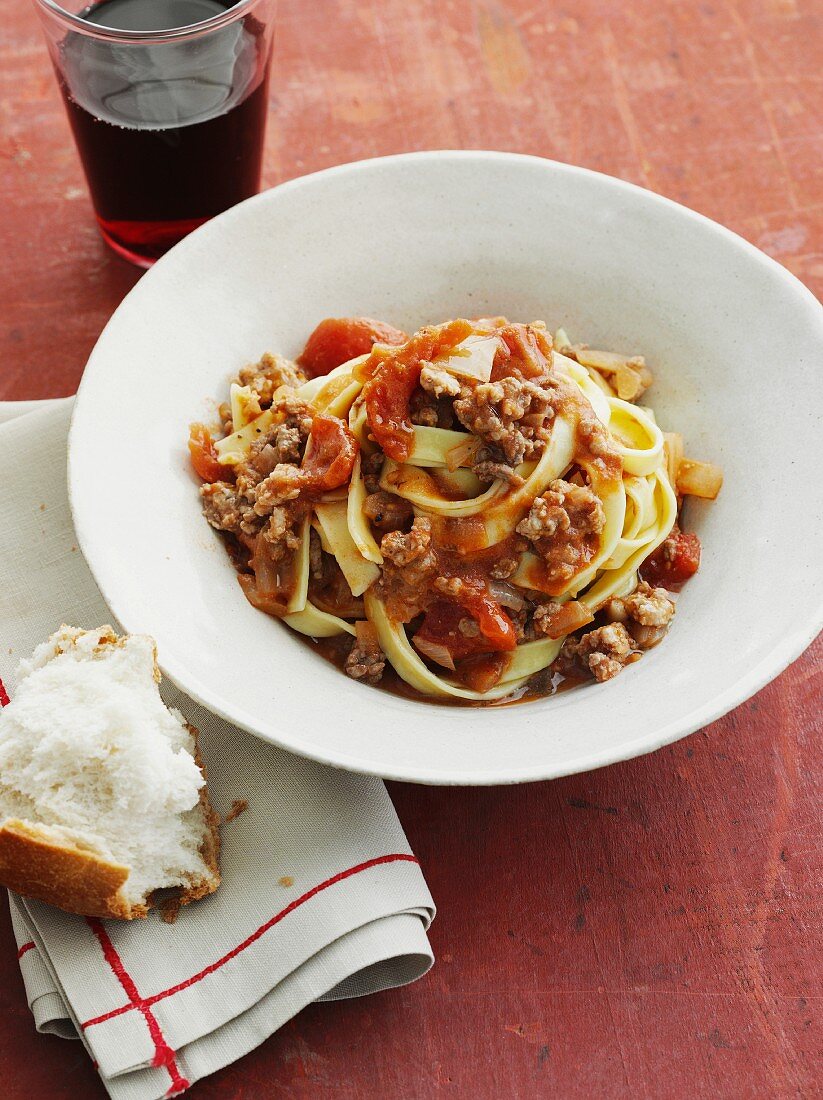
x: 77, y: 880
x: 209, y: 849
x: 37, y: 865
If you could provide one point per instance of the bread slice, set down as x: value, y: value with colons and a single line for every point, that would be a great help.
x: 104, y: 809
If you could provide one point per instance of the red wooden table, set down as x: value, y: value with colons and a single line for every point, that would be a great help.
x: 648, y: 930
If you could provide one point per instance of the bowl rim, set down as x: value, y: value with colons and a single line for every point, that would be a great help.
x: 768, y: 668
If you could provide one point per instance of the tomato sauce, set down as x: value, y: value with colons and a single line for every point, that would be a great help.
x: 329, y: 462
x: 392, y: 375
x: 203, y: 455
x: 541, y: 686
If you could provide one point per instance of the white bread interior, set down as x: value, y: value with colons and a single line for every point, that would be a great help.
x: 102, y: 794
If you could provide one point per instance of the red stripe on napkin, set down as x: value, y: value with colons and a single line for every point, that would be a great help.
x: 4, y: 695
x: 163, y: 1053
x: 26, y: 946
x: 394, y: 857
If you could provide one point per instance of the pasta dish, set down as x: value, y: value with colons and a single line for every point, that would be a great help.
x: 482, y: 507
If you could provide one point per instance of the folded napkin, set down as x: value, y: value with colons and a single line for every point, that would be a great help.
x: 321, y: 898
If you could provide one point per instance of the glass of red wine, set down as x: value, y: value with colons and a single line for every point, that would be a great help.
x: 167, y: 102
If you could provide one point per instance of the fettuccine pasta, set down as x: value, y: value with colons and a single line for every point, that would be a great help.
x: 481, y: 507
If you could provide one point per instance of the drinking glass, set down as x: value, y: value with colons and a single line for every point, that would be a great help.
x: 167, y: 102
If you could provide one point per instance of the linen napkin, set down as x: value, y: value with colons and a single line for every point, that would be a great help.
x: 321, y: 898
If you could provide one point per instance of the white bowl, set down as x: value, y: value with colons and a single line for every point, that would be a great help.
x: 735, y: 342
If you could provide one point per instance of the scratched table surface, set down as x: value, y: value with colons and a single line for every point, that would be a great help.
x: 651, y: 929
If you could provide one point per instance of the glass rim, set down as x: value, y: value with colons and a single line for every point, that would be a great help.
x: 192, y: 30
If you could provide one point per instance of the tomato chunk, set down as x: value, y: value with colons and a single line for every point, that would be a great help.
x: 674, y: 561
x: 442, y: 627
x: 330, y: 459
x: 526, y: 353
x: 203, y: 455
x: 495, y: 632
x: 495, y: 625
x: 338, y: 339
x: 388, y: 394
x: 391, y: 379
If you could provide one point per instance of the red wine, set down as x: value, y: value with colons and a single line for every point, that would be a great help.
x: 169, y: 133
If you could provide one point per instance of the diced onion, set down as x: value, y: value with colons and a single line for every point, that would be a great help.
x: 473, y: 358
x: 334, y: 495
x: 568, y: 618
x: 606, y: 361
x: 506, y: 595
x: 629, y: 385
x: 266, y: 460
x: 266, y: 572
x: 699, y: 479
x: 435, y: 652
x: 463, y: 454
x: 673, y: 442
x: 270, y: 603
x: 600, y: 381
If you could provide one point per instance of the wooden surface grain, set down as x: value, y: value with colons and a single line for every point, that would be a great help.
x: 652, y: 929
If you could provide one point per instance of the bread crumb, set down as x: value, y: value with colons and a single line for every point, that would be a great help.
x: 239, y: 806
x: 42, y: 507
x: 286, y: 880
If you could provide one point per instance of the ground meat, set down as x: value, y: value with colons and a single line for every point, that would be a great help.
x: 504, y: 568
x: 563, y: 525
x: 370, y: 467
x: 402, y: 549
x: 365, y: 663
x: 646, y: 605
x: 439, y: 382
x: 409, y: 567
x: 562, y: 508
x: 494, y: 471
x: 522, y: 626
x: 295, y: 411
x: 454, y: 587
x: 280, y: 533
x: 593, y: 434
x: 281, y: 485
x: 604, y: 651
x: 228, y: 510
x: 283, y: 442
x: 647, y: 613
x: 224, y: 412
x: 469, y: 628
x: 431, y: 411
x: 267, y: 376
x: 424, y: 413
x: 544, y: 615
x: 387, y: 512
x: 513, y: 413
